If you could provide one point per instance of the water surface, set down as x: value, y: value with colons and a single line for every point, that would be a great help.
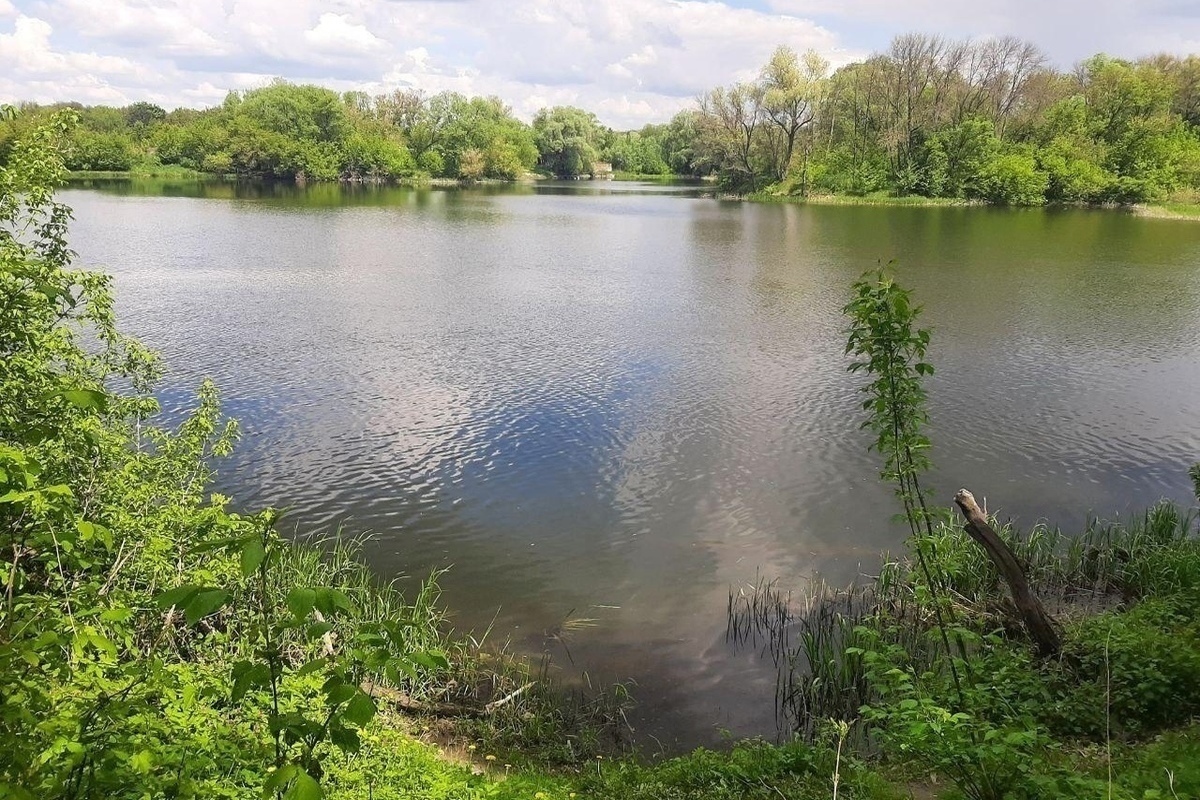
x: 617, y: 401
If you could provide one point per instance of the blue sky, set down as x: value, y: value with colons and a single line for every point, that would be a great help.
x: 630, y: 61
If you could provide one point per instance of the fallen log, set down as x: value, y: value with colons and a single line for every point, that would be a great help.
x: 1041, y: 627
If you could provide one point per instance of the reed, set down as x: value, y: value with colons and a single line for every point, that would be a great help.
x: 805, y: 631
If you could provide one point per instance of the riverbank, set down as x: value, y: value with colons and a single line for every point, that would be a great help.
x: 865, y: 200
x: 1050, y: 738
x: 418, y: 180
x: 1162, y: 210
x: 160, y: 171
x: 1176, y: 210
x: 1188, y: 211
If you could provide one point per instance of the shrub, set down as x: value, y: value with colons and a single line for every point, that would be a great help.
x: 1012, y: 179
x: 1132, y: 672
x: 101, y: 151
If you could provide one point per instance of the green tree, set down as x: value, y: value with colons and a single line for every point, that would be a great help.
x: 567, y: 140
x: 90, y: 150
x: 143, y: 115
x: 792, y: 92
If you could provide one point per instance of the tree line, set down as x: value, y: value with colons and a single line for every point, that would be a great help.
x: 987, y: 120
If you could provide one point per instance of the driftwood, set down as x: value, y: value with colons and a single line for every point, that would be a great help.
x: 1039, y: 624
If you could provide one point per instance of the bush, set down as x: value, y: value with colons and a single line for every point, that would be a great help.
x: 101, y: 151
x: 1012, y: 179
x: 1074, y: 173
x: 431, y: 161
x: 1133, y: 672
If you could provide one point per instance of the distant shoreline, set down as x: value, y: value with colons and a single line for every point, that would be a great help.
x: 1164, y: 210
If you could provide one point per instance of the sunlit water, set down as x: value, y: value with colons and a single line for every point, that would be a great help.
x: 619, y: 401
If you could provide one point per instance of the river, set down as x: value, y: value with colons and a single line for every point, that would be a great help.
x: 615, y: 402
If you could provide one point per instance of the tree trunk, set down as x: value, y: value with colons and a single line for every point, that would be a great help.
x: 1039, y: 624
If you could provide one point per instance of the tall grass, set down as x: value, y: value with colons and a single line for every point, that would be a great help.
x: 501, y: 700
x: 806, y: 632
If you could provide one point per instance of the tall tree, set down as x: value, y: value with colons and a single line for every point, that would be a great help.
x: 792, y: 92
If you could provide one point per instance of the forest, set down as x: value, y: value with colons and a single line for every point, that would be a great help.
x: 988, y: 120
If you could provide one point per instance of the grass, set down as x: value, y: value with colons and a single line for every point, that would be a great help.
x: 1109, y: 566
x: 878, y: 199
x: 146, y: 171
x: 393, y: 765
x: 621, y: 175
x: 751, y: 770
x: 511, y: 707
x: 1168, y: 210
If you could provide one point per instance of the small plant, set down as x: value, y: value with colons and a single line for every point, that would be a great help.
x: 987, y: 757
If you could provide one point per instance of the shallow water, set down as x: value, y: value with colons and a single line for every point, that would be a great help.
x: 618, y: 401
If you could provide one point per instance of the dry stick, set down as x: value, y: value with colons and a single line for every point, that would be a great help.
x: 1039, y: 624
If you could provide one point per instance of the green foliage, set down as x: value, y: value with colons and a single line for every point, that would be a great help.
x: 753, y: 770
x: 142, y: 115
x: 968, y: 146
x: 987, y: 758
x: 151, y: 642
x: 639, y: 152
x: 1129, y: 673
x: 90, y: 150
x: 568, y: 140
x: 909, y: 121
x: 1012, y: 179
x: 886, y: 346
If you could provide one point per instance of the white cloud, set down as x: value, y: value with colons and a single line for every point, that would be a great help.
x: 27, y: 52
x: 1067, y: 29
x: 335, y: 33
x: 630, y: 61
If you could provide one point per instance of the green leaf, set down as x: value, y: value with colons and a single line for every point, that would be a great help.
x: 253, y: 555
x: 300, y: 602
x: 279, y: 779
x: 304, y: 787
x: 116, y: 614
x: 360, y: 710
x: 14, y: 792
x: 430, y: 659
x: 86, y: 399
x: 345, y: 739
x: 312, y: 666
x: 330, y: 601
x: 400, y: 665
x: 101, y: 643
x: 206, y: 601
x: 247, y: 675
x: 179, y: 597
x: 317, y: 630
x: 340, y: 693
x: 90, y: 530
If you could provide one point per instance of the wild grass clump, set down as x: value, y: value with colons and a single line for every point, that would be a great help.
x: 752, y: 770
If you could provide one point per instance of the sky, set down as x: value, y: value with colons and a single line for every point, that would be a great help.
x: 629, y: 61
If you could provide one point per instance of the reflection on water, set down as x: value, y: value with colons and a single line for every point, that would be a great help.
x: 624, y: 398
